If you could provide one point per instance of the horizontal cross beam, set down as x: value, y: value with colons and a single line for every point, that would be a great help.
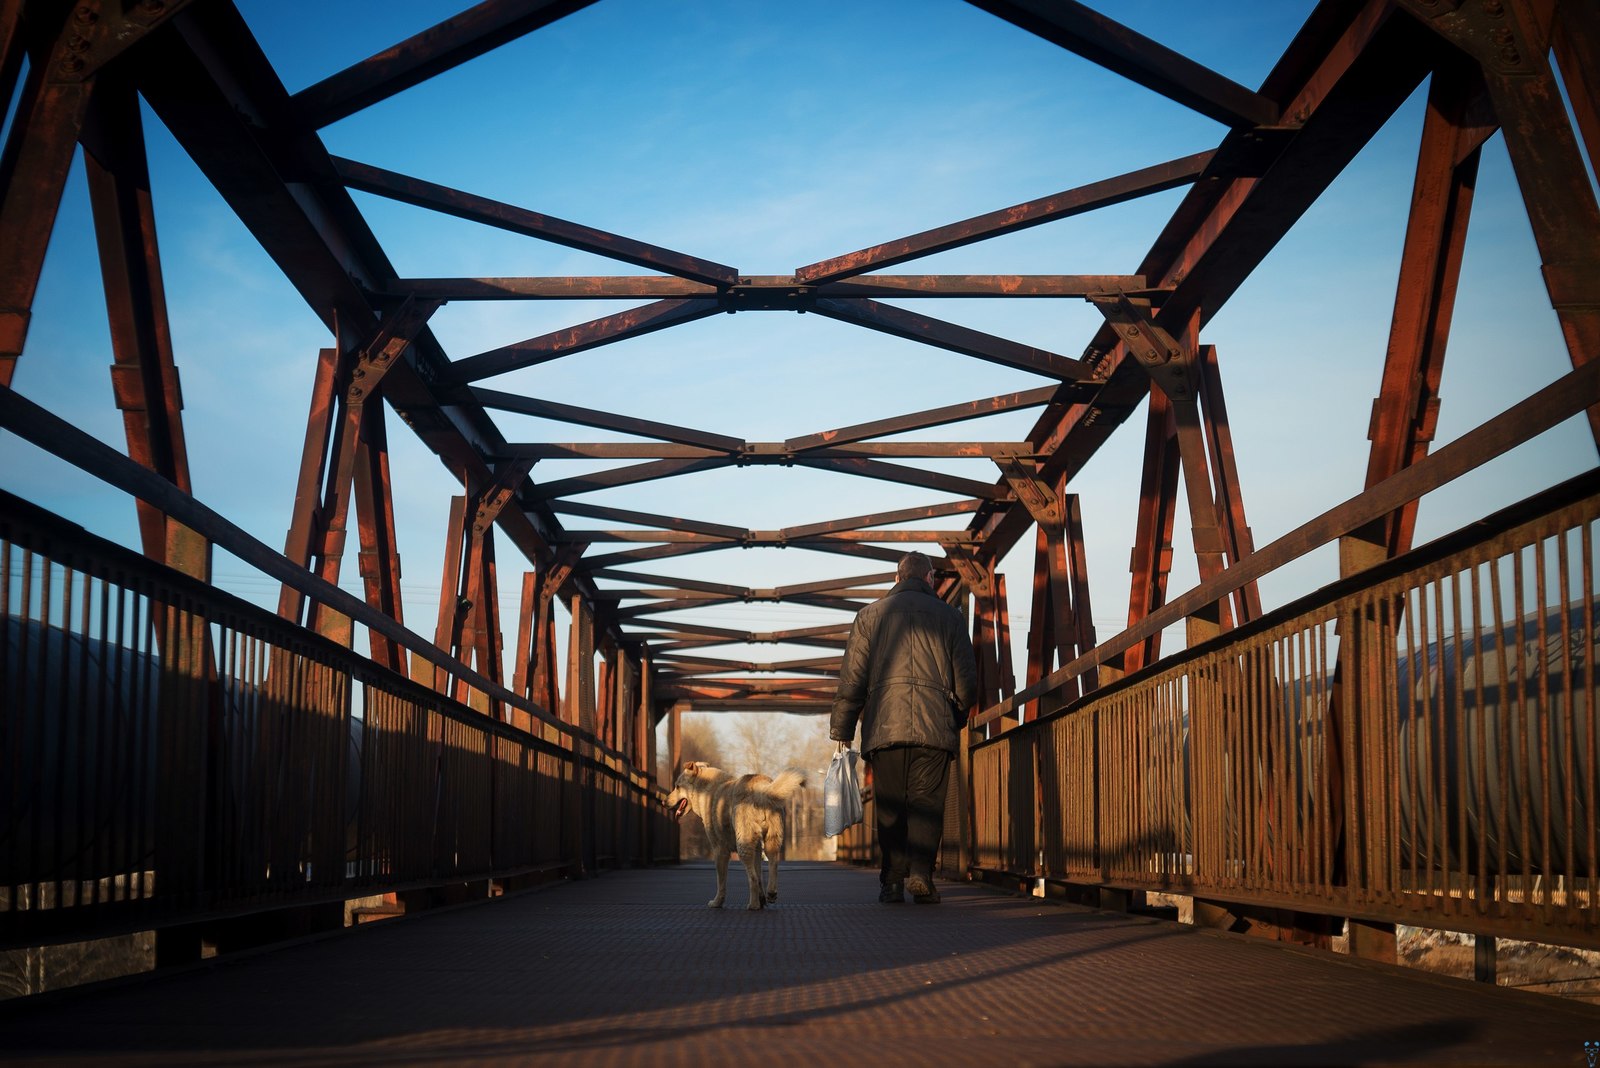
x: 761, y: 289
x: 776, y: 451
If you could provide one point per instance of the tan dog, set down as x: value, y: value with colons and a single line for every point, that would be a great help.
x: 742, y: 814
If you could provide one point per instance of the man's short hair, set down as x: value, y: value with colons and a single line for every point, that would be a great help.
x: 913, y: 565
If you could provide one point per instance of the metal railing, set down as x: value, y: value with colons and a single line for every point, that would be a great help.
x: 172, y: 753
x: 1416, y: 744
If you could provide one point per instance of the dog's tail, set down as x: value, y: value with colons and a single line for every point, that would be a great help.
x: 788, y: 781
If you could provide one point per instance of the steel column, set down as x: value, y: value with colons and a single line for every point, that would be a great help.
x: 144, y: 376
x: 1151, y: 560
x: 1407, y: 407
x: 37, y: 155
x: 1511, y: 40
x: 379, y: 561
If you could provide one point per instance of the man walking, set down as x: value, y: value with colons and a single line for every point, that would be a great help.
x: 908, y: 677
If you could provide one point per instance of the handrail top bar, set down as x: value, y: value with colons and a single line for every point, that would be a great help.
x: 1529, y: 510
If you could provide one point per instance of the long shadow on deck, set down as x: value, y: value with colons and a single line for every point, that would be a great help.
x: 632, y: 967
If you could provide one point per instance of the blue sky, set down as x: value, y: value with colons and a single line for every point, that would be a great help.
x: 768, y: 136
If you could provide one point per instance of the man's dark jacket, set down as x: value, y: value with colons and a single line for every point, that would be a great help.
x: 908, y: 674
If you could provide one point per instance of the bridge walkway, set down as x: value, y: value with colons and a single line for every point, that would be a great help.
x: 632, y: 968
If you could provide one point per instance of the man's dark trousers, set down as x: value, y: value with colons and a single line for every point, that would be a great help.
x: 908, y: 786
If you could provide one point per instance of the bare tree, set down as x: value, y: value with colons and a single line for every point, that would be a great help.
x: 768, y: 742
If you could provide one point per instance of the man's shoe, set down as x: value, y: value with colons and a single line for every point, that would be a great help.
x: 892, y: 894
x: 923, y: 892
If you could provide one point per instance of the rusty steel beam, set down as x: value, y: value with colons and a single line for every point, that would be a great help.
x: 479, y: 29
x: 664, y: 643
x: 643, y: 593
x: 36, y: 157
x: 1407, y: 408
x: 450, y: 627
x: 1576, y: 44
x: 687, y: 635
x: 939, y: 537
x: 733, y: 687
x: 572, y: 413
x: 673, y: 599
x: 622, y: 515
x: 608, y: 450
x: 12, y: 46
x: 909, y: 286
x: 626, y: 476
x: 525, y: 654
x: 1061, y: 627
x: 144, y: 374
x: 1238, y: 542
x: 1158, y: 178
x: 652, y: 552
x: 462, y: 205
x: 703, y: 665
x: 898, y: 322
x: 908, y: 476
x: 747, y: 593
x: 837, y: 585
x: 950, y: 413
x: 698, y: 629
x: 344, y: 383
x: 778, y: 451
x: 306, y: 536
x: 607, y: 330
x: 796, y: 706
x: 1511, y: 44
x: 663, y: 287
x: 1117, y: 48
x: 674, y: 605
x: 801, y: 634
x: 1002, y: 610
x: 860, y: 466
x: 379, y: 561
x: 846, y: 548
x: 1150, y: 562
x: 664, y: 580
x: 602, y: 536
x: 841, y: 604
x: 879, y: 519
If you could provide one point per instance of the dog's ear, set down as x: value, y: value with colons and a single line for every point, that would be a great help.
x: 691, y: 767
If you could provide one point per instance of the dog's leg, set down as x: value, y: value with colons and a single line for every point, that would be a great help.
x: 774, y: 849
x: 721, y: 853
x: 750, y: 854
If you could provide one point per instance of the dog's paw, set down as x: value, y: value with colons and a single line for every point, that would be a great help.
x: 772, y: 895
x: 714, y: 903
x: 756, y: 903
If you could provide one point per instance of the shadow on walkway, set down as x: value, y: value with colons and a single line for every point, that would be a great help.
x: 631, y: 967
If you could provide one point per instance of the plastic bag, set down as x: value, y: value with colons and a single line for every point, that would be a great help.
x: 841, y: 794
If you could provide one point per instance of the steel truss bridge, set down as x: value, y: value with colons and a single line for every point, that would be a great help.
x: 1413, y: 744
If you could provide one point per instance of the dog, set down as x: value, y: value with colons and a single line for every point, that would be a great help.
x: 742, y: 814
